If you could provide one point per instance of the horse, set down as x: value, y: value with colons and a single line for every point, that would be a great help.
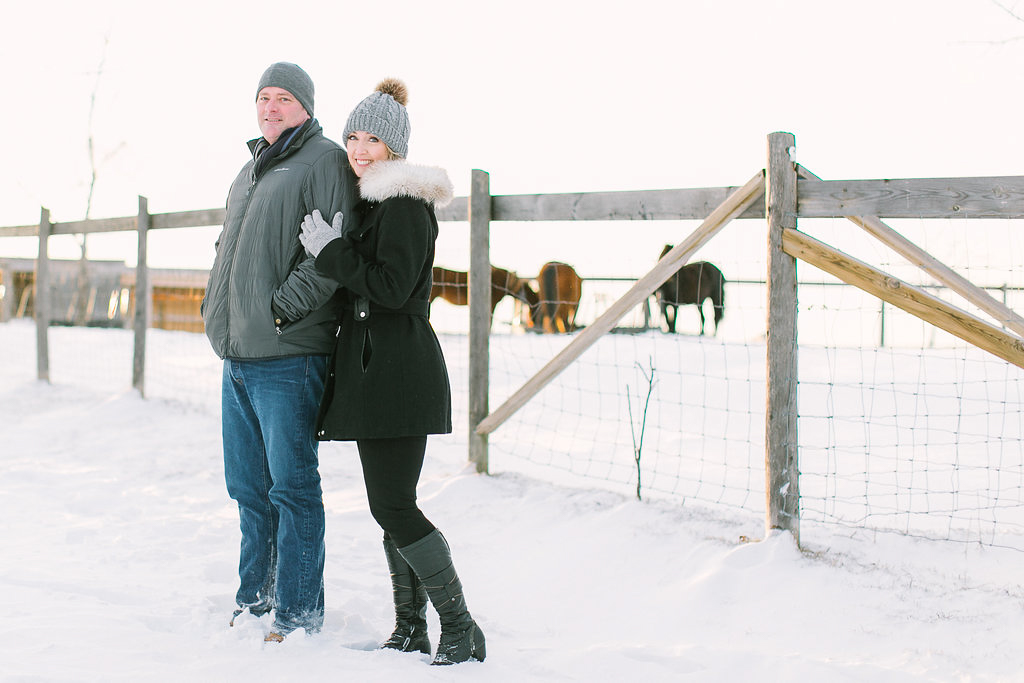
x: 692, y: 284
x: 453, y: 286
x: 558, y: 293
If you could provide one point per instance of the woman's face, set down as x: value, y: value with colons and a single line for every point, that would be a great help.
x: 363, y: 150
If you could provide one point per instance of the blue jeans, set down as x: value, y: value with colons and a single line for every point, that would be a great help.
x: 269, y: 410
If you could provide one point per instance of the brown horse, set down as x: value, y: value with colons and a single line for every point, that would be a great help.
x: 453, y: 286
x: 558, y: 291
x: 692, y: 284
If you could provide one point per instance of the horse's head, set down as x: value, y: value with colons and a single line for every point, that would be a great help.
x: 521, y: 290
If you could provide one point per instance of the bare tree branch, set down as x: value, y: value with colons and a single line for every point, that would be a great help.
x: 92, y: 111
x: 1005, y: 41
x: 82, y: 298
x: 1008, y: 10
x: 638, y: 444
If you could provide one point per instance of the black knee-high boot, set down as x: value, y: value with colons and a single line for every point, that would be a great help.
x: 461, y: 638
x: 410, y: 633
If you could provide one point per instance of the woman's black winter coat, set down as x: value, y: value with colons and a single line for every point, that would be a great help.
x: 387, y: 376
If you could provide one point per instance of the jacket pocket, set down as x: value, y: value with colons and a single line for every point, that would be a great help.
x: 280, y: 322
x: 367, y: 350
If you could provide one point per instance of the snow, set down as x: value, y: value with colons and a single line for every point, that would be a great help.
x: 120, y: 550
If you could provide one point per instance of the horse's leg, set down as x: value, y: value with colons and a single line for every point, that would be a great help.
x: 700, y: 310
x: 669, y: 312
x: 497, y: 294
x: 719, y: 307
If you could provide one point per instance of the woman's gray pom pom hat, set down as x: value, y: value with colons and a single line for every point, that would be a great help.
x: 384, y: 115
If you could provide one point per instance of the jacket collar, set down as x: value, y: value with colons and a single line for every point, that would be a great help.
x: 398, y: 178
x: 264, y: 153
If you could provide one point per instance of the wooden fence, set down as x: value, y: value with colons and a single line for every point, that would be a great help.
x: 780, y: 194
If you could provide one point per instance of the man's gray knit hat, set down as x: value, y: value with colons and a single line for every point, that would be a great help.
x: 292, y: 78
x: 384, y: 114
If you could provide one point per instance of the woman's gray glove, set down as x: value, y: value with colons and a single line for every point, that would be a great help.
x: 316, y: 232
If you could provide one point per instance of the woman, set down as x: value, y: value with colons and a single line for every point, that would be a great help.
x: 387, y: 387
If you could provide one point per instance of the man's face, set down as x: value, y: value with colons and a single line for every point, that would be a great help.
x: 277, y: 110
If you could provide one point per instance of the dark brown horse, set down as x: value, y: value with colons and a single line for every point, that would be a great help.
x: 692, y: 284
x: 558, y: 293
x: 453, y: 286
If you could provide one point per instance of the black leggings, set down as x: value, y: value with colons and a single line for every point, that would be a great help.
x: 391, y: 470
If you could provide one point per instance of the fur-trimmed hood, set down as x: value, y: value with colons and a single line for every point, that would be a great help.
x: 398, y: 178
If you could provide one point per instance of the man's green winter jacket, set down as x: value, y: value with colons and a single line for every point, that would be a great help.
x: 261, y: 270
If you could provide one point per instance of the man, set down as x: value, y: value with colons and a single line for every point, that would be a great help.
x: 272, y: 318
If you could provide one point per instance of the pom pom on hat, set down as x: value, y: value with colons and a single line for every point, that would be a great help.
x: 384, y: 115
x: 395, y: 88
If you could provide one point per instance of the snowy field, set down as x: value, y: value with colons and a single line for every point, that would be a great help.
x: 120, y: 550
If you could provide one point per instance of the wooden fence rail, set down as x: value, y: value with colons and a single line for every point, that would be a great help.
x: 979, y: 197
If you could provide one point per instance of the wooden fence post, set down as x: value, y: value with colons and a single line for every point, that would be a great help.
x: 143, y: 300
x: 7, y: 305
x: 479, y: 313
x: 782, y: 476
x: 881, y: 320
x: 42, y: 303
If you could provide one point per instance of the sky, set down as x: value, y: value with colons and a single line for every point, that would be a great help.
x: 546, y: 95
x: 120, y: 555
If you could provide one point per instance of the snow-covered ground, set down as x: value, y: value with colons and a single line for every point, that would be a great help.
x: 119, y: 551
